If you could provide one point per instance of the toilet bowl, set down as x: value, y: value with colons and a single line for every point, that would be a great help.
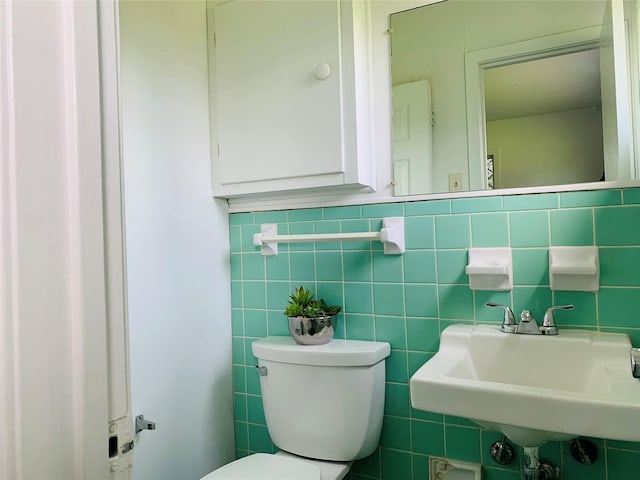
x: 279, y: 466
x: 323, y: 407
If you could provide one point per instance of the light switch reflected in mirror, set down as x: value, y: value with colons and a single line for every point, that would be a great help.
x: 502, y: 94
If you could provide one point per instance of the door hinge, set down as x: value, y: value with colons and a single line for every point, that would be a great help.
x: 144, y: 424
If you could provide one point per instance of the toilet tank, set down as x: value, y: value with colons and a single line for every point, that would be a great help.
x: 323, y: 401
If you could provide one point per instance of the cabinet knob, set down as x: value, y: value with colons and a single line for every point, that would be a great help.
x: 323, y: 71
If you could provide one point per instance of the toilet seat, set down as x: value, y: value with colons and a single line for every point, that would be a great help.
x: 263, y: 466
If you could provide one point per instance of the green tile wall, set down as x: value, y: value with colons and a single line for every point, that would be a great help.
x: 407, y: 301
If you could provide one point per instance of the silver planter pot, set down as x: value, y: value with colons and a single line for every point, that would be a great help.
x: 312, y: 331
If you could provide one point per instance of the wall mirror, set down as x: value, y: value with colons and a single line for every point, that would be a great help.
x: 503, y: 94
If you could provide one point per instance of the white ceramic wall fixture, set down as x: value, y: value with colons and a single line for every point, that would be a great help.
x: 574, y: 268
x: 533, y: 388
x: 490, y: 269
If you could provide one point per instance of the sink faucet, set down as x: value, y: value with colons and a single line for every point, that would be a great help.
x: 508, y: 323
x: 528, y: 325
x: 548, y: 326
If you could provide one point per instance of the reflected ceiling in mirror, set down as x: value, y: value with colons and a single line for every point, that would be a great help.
x: 429, y: 48
x: 548, y: 85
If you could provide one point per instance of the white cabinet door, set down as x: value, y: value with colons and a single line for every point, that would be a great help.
x: 284, y: 102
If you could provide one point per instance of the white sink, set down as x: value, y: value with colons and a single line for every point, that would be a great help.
x: 533, y: 388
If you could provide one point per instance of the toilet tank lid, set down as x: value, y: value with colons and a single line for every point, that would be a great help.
x: 336, y: 353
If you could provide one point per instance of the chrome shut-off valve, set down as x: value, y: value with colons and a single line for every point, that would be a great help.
x: 635, y: 362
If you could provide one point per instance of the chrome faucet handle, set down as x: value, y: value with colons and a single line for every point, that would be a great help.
x: 509, y: 321
x: 528, y: 324
x: 549, y: 322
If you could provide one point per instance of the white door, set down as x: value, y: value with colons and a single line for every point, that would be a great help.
x: 63, y: 323
x: 412, y: 138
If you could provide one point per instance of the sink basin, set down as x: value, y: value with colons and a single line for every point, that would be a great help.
x: 533, y: 388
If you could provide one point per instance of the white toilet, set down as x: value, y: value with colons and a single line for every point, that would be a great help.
x: 323, y: 406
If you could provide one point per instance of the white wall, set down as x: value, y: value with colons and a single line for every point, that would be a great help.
x: 177, y: 245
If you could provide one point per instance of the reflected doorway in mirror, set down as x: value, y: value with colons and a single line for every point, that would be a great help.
x: 412, y: 134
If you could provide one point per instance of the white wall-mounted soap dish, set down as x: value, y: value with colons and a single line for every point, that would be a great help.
x: 490, y: 269
x: 574, y: 268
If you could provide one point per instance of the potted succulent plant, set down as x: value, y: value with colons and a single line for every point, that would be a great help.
x: 311, y: 320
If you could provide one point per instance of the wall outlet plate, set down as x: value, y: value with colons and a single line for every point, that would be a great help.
x: 456, y: 183
x: 448, y: 469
